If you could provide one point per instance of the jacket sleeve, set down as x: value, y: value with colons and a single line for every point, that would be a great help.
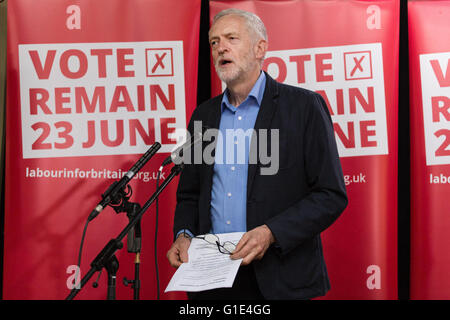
x: 187, y: 209
x: 327, y: 196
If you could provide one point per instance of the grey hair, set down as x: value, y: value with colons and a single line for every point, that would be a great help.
x: 254, y: 23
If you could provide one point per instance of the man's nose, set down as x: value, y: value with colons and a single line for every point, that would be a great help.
x: 222, y: 48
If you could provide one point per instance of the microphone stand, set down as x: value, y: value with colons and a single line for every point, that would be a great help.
x: 106, y: 255
x: 134, y: 246
x: 112, y: 267
x: 122, y: 204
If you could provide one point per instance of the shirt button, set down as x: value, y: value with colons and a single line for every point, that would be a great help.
x: 228, y: 222
x: 233, y: 168
x: 239, y: 118
x: 229, y: 194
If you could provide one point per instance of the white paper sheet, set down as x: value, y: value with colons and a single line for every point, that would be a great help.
x: 207, y: 268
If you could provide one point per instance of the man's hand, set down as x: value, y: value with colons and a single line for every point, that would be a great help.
x: 253, y: 244
x: 178, y: 252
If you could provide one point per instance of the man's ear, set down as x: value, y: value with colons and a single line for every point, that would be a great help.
x: 261, y: 48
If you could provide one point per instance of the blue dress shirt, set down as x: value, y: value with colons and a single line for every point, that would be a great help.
x: 229, y: 183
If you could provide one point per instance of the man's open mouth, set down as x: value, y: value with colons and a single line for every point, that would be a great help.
x: 224, y: 62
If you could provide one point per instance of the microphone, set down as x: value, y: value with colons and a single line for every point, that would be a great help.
x: 112, y: 192
x: 177, y: 155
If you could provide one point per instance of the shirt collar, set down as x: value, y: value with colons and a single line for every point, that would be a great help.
x: 256, y: 93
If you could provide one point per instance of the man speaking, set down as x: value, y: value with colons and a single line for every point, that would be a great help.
x: 281, y: 213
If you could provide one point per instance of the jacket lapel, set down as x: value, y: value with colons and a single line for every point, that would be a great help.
x: 263, y: 121
x: 212, y: 122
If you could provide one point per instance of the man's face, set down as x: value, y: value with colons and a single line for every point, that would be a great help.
x: 233, y: 49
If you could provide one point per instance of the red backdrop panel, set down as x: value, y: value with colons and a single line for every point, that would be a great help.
x: 348, y: 52
x: 90, y: 87
x: 429, y: 57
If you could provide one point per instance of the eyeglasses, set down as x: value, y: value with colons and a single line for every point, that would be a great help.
x: 226, y: 248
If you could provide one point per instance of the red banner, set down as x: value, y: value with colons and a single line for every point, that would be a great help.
x: 91, y: 86
x: 348, y: 52
x: 429, y: 59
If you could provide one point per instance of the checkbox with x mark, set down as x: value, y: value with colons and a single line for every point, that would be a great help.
x: 358, y: 65
x: 159, y: 62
